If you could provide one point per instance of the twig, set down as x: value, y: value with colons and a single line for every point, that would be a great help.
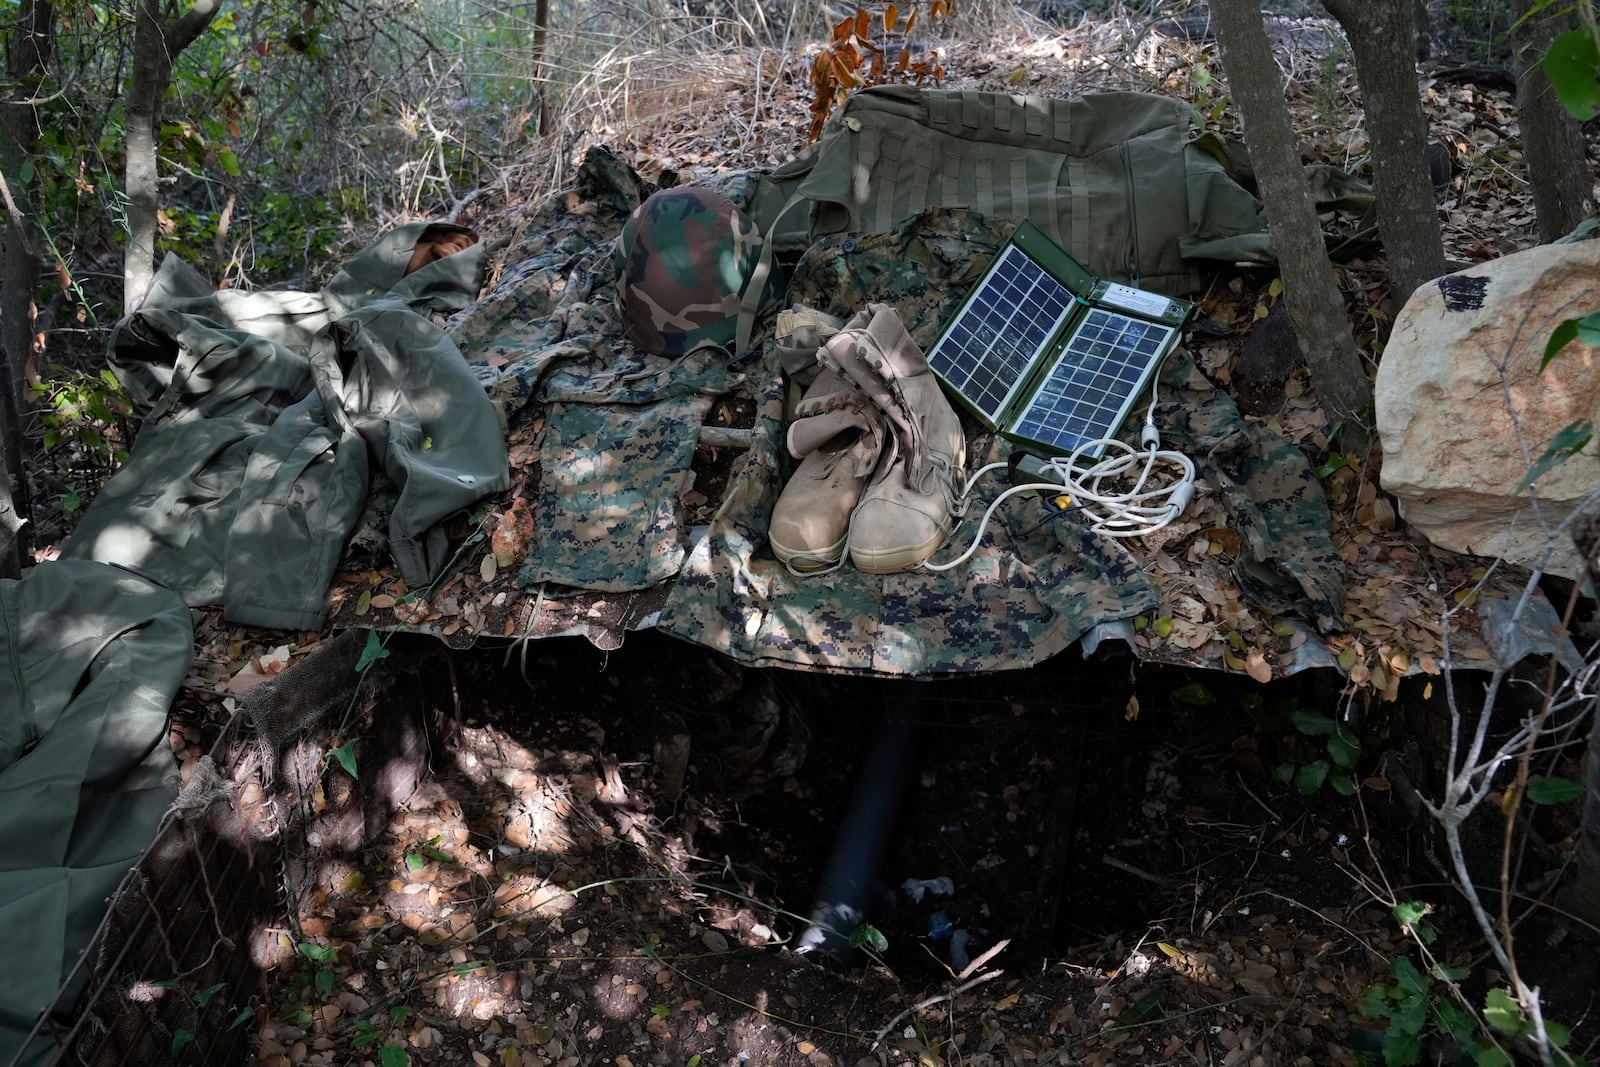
x: 1121, y: 865
x: 937, y: 998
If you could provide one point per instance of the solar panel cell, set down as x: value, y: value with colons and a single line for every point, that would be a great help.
x: 1033, y: 357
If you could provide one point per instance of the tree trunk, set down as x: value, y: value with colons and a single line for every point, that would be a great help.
x: 541, y: 80
x: 1382, y: 35
x: 157, y: 41
x: 28, y: 45
x: 1316, y: 306
x: 1581, y: 894
x: 1558, y: 163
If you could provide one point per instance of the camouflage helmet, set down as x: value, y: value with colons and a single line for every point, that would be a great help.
x: 682, y: 263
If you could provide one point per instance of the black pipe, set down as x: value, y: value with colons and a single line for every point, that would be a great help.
x: 852, y: 870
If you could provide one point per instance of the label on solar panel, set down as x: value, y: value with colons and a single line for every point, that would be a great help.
x: 1139, y: 300
x: 1045, y: 352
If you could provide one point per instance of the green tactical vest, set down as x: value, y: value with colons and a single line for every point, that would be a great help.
x: 1115, y: 178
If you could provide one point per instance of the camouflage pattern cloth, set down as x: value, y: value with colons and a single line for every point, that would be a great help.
x: 1041, y: 579
x: 620, y: 423
x: 1271, y: 493
x: 682, y: 264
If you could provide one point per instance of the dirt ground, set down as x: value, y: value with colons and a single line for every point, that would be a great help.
x: 614, y: 856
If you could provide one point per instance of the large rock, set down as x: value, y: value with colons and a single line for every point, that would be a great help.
x: 1464, y: 355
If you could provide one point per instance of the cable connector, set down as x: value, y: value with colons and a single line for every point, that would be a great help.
x: 1150, y: 437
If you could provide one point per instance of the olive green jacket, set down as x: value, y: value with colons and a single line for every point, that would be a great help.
x: 263, y: 413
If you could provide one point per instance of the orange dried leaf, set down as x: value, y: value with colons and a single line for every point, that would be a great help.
x: 904, y: 62
x: 912, y: 21
x: 844, y: 29
x: 863, y: 23
x: 822, y: 71
x: 891, y: 15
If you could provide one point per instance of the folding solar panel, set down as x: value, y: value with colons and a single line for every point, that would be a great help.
x: 1048, y: 354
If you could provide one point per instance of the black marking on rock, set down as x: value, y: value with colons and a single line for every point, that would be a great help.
x: 1463, y: 292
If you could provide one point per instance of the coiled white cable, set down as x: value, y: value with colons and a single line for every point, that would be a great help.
x: 1133, y: 512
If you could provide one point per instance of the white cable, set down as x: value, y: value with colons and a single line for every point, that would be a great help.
x: 1129, y: 513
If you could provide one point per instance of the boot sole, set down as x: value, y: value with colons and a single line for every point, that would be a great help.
x: 893, y: 560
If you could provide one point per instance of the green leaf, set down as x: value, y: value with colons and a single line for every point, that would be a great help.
x: 323, y: 982
x: 393, y: 1056
x: 180, y: 1041
x: 26, y: 172
x: 372, y: 653
x: 229, y: 161
x: 1375, y: 1002
x: 1311, y: 723
x: 244, y: 1016
x: 318, y: 953
x: 1309, y: 779
x: 1501, y: 1011
x: 661, y: 1010
x: 1586, y: 329
x: 1568, y: 442
x: 694, y: 1061
x: 1401, y: 1048
x: 1344, y: 747
x: 1284, y: 772
x: 1193, y: 693
x: 438, y: 855
x: 415, y: 861
x: 346, y: 757
x: 1491, y: 1057
x: 399, y: 1012
x: 1560, y: 337
x: 1405, y: 972
x: 1342, y: 783
x: 1570, y: 64
x: 869, y: 936
x: 1553, y: 790
x: 1408, y: 912
x: 203, y: 997
x: 1448, y: 1017
x: 111, y: 381
x: 1558, y: 1034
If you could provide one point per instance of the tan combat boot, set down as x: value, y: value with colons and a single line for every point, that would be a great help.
x: 906, y: 512
x: 837, y: 436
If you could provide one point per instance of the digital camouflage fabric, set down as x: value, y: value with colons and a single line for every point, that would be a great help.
x: 620, y: 426
x: 620, y: 422
x: 1042, y: 579
x: 682, y: 263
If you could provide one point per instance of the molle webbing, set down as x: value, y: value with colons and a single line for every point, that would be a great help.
x: 1110, y: 177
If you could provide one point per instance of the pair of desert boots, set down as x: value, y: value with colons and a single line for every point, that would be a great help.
x: 881, y: 455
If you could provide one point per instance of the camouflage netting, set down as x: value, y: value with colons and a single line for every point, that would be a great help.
x: 620, y: 427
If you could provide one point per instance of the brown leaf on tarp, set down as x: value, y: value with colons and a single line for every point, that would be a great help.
x: 1257, y: 667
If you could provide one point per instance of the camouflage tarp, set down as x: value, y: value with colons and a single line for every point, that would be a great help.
x: 1042, y: 579
x: 620, y: 428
